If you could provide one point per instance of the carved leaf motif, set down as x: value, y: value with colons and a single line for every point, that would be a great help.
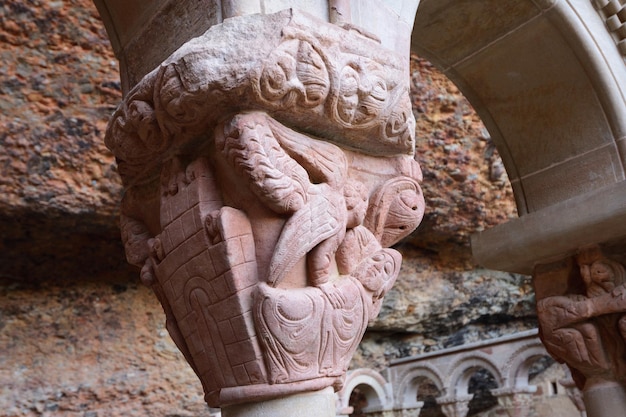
x: 250, y: 147
x: 362, y: 94
x: 323, y: 161
x: 400, y: 125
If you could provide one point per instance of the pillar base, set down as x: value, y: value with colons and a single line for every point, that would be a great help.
x: 606, y: 399
x: 311, y: 404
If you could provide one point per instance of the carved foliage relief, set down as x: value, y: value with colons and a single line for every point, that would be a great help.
x: 268, y: 245
x: 302, y: 71
x: 585, y: 327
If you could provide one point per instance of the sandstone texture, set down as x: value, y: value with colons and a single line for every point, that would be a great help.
x: 90, y: 349
x: 59, y: 190
x: 79, y: 334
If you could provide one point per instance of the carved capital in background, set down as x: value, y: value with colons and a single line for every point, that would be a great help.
x: 581, y: 305
x: 268, y: 167
x: 455, y: 406
x: 515, y: 402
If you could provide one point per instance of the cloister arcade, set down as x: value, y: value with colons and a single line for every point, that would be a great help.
x: 508, y: 360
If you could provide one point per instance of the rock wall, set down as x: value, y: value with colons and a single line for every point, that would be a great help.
x: 58, y: 187
x: 81, y: 336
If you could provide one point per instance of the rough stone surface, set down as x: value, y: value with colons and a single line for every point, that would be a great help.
x: 464, y: 179
x: 88, y: 350
x: 59, y: 191
x: 81, y: 345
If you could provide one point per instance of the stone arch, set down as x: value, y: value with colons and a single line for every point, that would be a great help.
x: 517, y: 368
x: 549, y: 82
x: 405, y: 395
x: 373, y: 385
x: 461, y: 372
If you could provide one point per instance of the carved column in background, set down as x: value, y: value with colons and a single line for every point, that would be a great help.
x: 581, y: 304
x: 515, y: 402
x: 455, y: 406
x: 573, y: 392
x: 411, y: 412
x: 268, y: 167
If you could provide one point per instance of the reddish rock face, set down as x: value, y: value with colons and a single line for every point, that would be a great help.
x: 58, y: 182
x: 73, y: 351
x: 465, y: 184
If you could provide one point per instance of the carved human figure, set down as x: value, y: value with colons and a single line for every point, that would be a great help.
x: 587, y: 331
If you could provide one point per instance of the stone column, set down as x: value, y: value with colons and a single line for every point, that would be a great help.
x: 455, y: 406
x: 308, y: 404
x: 581, y: 305
x: 573, y: 392
x: 268, y: 167
x: 516, y: 402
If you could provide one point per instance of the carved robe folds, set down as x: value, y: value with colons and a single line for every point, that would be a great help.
x: 268, y: 167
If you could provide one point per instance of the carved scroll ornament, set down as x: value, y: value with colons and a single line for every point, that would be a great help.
x: 268, y: 245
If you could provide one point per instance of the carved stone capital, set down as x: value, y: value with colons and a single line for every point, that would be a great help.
x: 269, y: 167
x: 581, y: 305
x: 410, y: 412
x: 515, y: 402
x: 457, y: 406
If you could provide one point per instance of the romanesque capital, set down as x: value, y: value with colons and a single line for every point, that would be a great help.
x: 455, y: 406
x: 581, y: 306
x: 516, y: 402
x: 269, y: 167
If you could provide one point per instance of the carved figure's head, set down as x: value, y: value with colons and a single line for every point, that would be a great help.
x: 602, y: 277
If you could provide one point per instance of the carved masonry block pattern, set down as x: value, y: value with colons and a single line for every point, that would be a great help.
x: 209, y: 278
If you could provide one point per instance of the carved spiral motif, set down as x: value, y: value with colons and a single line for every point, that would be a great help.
x: 400, y: 125
x: 395, y: 210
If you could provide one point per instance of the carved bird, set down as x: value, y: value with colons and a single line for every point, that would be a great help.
x: 296, y: 175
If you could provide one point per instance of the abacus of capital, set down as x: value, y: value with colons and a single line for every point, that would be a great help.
x: 268, y: 167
